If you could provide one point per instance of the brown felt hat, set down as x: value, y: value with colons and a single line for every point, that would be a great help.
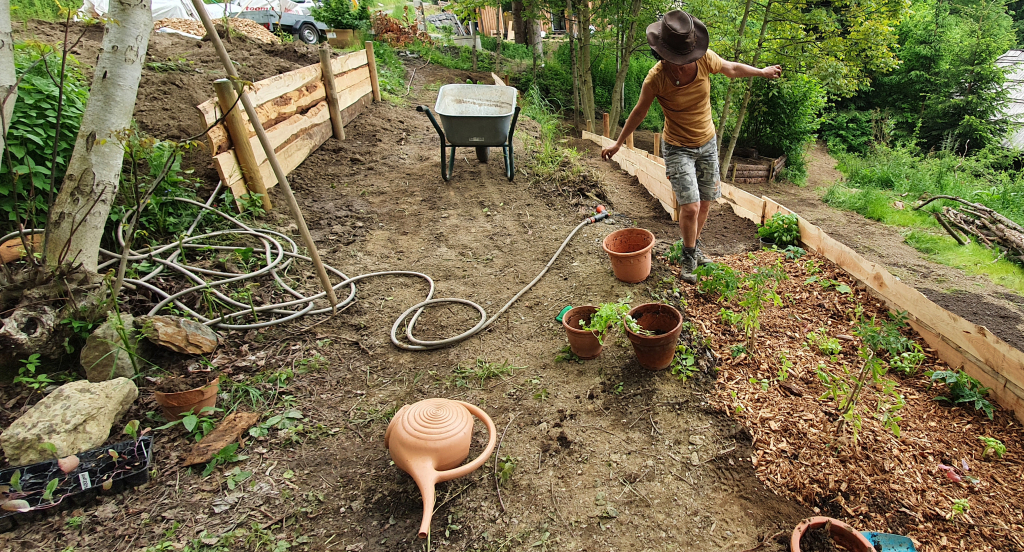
x: 678, y: 38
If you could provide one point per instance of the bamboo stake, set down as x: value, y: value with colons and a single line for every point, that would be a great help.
x: 240, y: 139
x: 282, y: 179
x: 327, y: 74
x: 371, y: 62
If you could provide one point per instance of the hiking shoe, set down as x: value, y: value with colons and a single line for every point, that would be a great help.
x: 687, y: 264
x: 700, y: 256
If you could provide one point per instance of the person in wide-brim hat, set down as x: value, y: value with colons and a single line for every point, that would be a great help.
x: 681, y: 83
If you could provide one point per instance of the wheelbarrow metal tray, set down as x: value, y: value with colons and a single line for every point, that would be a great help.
x: 476, y: 114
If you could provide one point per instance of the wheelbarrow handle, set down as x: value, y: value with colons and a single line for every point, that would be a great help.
x: 425, y: 109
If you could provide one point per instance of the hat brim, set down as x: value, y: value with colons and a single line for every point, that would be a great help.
x: 701, y: 39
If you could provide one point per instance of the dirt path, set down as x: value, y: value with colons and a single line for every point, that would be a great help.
x: 974, y: 297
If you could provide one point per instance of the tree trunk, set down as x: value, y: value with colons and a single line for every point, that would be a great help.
x: 518, y: 23
x: 626, y: 51
x: 571, y: 29
x: 8, y: 75
x: 587, y: 80
x: 746, y: 97
x: 501, y: 38
x: 472, y: 35
x: 535, y: 38
x: 78, y: 216
x: 728, y: 89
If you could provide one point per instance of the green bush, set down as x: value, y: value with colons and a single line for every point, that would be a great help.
x: 47, y: 10
x: 338, y: 14
x: 509, y: 50
x: 847, y: 131
x: 783, y: 118
x: 33, y: 131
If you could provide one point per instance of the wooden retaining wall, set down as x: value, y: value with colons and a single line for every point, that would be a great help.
x: 957, y: 341
x: 294, y: 111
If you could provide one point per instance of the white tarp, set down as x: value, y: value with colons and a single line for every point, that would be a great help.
x: 162, y: 9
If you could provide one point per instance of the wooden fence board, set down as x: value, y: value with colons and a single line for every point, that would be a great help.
x: 746, y: 200
x: 348, y: 62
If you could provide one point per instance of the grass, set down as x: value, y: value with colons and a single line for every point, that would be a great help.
x: 47, y: 10
x: 973, y: 259
x: 878, y: 183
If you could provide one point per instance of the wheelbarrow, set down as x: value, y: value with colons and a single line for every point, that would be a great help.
x: 477, y: 116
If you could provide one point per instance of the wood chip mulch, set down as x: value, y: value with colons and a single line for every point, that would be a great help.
x: 882, y: 482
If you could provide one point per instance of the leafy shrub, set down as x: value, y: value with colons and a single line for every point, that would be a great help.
x: 782, y: 229
x: 963, y: 389
x: 33, y: 131
x: 783, y: 118
x: 509, y: 50
x: 338, y: 14
x: 848, y: 131
x: 718, y: 279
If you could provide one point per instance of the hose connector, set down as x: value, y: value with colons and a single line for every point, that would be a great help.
x: 602, y: 213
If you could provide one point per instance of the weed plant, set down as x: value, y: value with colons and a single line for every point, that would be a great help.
x: 28, y: 163
x: 481, y: 371
x: 993, y: 446
x: 963, y: 390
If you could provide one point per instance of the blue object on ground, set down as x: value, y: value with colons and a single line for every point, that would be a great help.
x: 886, y: 542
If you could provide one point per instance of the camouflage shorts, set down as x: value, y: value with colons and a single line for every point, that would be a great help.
x: 693, y: 172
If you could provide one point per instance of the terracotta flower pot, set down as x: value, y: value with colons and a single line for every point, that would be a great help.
x: 583, y: 343
x: 655, y: 352
x: 630, y: 252
x: 844, y: 535
x: 176, y: 404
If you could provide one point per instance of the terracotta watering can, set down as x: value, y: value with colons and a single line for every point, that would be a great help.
x: 429, y: 439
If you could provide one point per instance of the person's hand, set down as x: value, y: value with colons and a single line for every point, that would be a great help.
x: 611, y: 150
x: 773, y: 72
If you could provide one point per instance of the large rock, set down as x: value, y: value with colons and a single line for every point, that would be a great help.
x: 105, y: 355
x: 178, y: 334
x: 75, y: 418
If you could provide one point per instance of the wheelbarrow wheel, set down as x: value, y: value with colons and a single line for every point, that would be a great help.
x: 482, y: 154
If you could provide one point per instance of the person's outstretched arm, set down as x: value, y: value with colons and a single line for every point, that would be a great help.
x: 736, y: 70
x: 635, y: 118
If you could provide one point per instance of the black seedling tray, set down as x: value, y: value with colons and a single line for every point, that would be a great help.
x: 81, y: 486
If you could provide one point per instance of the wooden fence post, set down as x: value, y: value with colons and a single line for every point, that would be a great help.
x: 331, y: 88
x: 371, y: 62
x: 227, y: 98
x: 607, y: 125
x: 657, y: 144
x: 590, y: 126
x: 629, y: 140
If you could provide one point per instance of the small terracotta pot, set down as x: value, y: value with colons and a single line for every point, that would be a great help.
x: 176, y: 404
x: 844, y: 535
x: 583, y: 343
x: 630, y: 252
x: 655, y: 352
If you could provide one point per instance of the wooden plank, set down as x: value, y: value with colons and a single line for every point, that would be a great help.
x: 244, y: 154
x: 771, y: 207
x: 371, y: 64
x: 351, y: 94
x: 348, y: 62
x: 289, y: 156
x: 657, y: 145
x: 673, y: 212
x: 745, y: 200
x: 757, y: 180
x: 497, y: 80
x: 750, y: 173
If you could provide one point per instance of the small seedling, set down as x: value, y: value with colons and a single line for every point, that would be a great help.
x: 684, y: 363
x: 960, y: 507
x: 75, y: 522
x: 992, y: 446
x: 907, y: 362
x: 765, y: 383
x: 506, y: 466
x: 236, y: 476
x: 793, y: 252
x: 198, y: 427
x: 482, y: 371
x: 738, y: 349
x: 618, y: 388
x: 785, y: 365
x: 963, y: 389
x: 565, y: 354
x: 541, y: 395
x: 730, y: 317
x: 27, y: 374
x: 718, y: 279
x: 823, y: 343
x: 223, y: 457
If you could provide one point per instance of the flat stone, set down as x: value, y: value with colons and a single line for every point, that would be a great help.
x: 694, y: 459
x: 105, y: 355
x: 75, y: 418
x: 697, y: 440
x: 178, y: 334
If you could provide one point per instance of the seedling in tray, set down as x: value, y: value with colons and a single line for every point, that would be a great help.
x: 60, y: 483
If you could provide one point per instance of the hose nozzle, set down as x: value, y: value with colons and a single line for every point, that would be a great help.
x: 602, y: 213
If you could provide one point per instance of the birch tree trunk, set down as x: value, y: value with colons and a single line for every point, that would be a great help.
x: 746, y: 97
x: 587, y: 84
x: 626, y: 51
x: 728, y: 89
x: 79, y: 214
x: 8, y: 76
x: 573, y: 27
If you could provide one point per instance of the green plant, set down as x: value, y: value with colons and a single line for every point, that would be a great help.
x: 75, y: 522
x: 35, y: 153
x: 236, y: 477
x: 992, y: 446
x: 738, y: 349
x: 907, y: 362
x: 197, y: 426
x: 223, y: 457
x: 506, y: 466
x: 718, y: 279
x: 963, y: 389
x: 821, y: 341
x: 675, y: 252
x: 764, y: 383
x: 565, y: 354
x: 684, y: 363
x: 482, y: 370
x: 608, y: 316
x: 759, y: 292
x: 782, y: 229
x: 730, y: 317
x: 338, y: 14
x: 617, y: 389
x: 286, y: 420
x: 27, y: 374
x: 793, y: 252
x: 785, y: 365
x: 541, y: 395
x: 960, y: 507
x: 827, y: 283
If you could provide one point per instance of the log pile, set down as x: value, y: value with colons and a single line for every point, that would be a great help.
x: 986, y: 225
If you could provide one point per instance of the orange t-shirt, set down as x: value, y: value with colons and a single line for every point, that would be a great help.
x: 687, y: 108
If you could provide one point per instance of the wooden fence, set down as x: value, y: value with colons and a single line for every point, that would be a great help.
x: 295, y: 110
x: 957, y: 341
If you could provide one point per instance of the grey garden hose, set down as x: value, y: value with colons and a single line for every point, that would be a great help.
x: 278, y: 251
